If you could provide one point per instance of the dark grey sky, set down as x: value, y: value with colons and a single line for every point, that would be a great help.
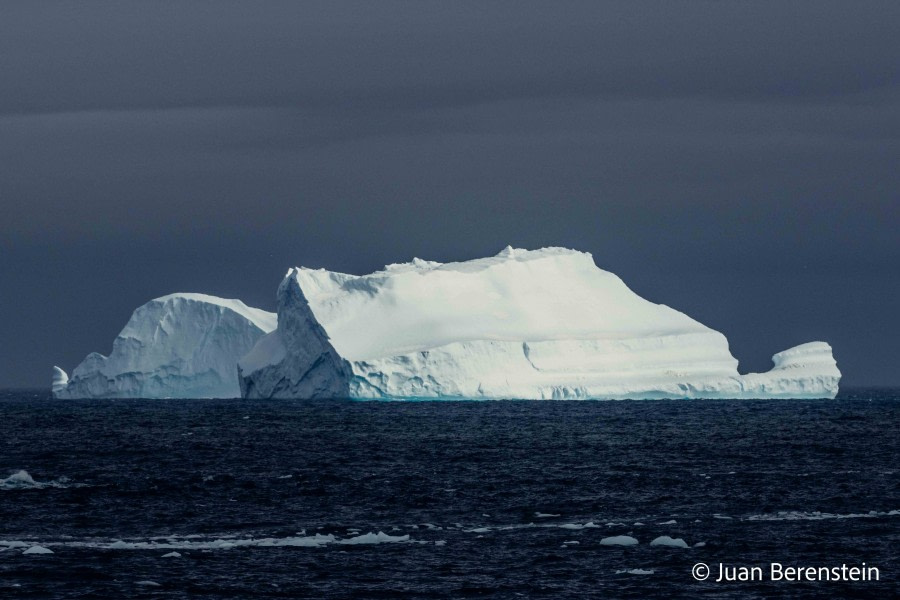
x: 739, y: 161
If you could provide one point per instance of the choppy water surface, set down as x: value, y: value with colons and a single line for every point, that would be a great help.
x: 239, y: 499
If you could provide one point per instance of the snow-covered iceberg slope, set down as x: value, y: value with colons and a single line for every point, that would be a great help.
x: 177, y: 346
x: 540, y: 324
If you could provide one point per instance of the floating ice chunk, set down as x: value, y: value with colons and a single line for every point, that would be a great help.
x: 19, y: 479
x: 635, y: 571
x: 619, y: 540
x: 22, y: 480
x: 440, y: 542
x: 818, y: 516
x: 38, y: 550
x: 638, y: 524
x: 375, y: 538
x: 699, y: 544
x: 665, y: 540
x: 588, y: 525
x: 540, y: 515
x: 672, y: 522
x: 478, y: 530
x: 147, y: 583
x: 571, y: 543
x: 172, y: 555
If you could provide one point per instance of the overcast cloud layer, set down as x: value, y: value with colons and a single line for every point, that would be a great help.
x: 739, y: 161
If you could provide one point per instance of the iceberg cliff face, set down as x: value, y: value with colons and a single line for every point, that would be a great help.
x: 177, y: 346
x: 543, y: 324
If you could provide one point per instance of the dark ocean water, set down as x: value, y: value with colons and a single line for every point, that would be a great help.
x: 240, y: 489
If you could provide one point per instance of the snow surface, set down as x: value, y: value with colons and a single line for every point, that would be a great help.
x: 176, y: 346
x: 541, y: 324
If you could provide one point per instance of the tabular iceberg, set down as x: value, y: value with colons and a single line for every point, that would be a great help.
x: 542, y: 324
x: 177, y: 346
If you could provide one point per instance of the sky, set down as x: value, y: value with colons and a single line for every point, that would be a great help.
x: 738, y: 161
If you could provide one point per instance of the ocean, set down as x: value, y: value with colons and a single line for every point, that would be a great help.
x: 501, y: 499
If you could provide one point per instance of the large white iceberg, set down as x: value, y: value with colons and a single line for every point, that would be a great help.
x: 177, y: 346
x: 542, y: 324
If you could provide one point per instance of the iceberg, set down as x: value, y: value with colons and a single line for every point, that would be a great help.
x: 524, y: 324
x: 176, y: 346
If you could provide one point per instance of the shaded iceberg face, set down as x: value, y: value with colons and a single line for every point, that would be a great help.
x: 543, y: 324
x: 177, y: 346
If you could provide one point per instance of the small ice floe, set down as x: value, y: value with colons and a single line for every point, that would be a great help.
x: 819, y: 516
x: 588, y: 525
x: 22, y: 480
x: 172, y: 555
x: 635, y: 571
x: 672, y: 522
x: 638, y: 524
x: 571, y: 543
x: 431, y: 526
x: 540, y: 515
x: 699, y: 544
x: 247, y: 417
x: 486, y: 515
x: 478, y: 530
x: 374, y: 538
x: 147, y: 583
x: 665, y: 540
x: 723, y: 517
x: 285, y: 476
x: 38, y: 550
x: 619, y: 540
x: 19, y: 479
x: 10, y: 544
x: 440, y: 542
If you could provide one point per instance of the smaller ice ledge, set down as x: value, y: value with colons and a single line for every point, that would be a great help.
x: 177, y: 346
x: 804, y: 371
x: 60, y: 380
